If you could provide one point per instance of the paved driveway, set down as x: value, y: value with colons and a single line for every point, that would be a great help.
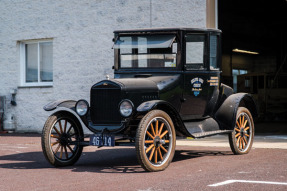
x: 195, y: 167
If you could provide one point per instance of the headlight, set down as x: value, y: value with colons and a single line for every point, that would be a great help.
x: 126, y: 108
x: 82, y: 107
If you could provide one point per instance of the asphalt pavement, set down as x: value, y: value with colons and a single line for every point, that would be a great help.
x: 204, y: 164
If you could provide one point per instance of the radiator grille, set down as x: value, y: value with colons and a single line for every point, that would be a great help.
x: 105, y: 105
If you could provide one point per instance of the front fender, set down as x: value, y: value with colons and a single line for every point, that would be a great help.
x: 169, y: 109
x: 150, y: 105
x: 67, y: 106
x: 226, y: 114
x: 60, y: 103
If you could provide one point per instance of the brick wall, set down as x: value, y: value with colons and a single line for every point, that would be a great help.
x: 82, y: 33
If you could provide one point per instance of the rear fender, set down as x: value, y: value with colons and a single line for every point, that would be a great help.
x: 66, y: 106
x: 226, y: 114
x: 145, y: 107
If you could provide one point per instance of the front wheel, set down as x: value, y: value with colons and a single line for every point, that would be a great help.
x: 155, y: 141
x: 241, y: 139
x: 61, y: 139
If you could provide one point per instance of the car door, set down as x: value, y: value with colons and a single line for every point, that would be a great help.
x: 196, y: 76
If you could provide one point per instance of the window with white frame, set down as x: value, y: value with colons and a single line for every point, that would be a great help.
x: 36, y: 59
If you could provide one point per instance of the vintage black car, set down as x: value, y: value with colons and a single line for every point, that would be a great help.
x: 166, y: 84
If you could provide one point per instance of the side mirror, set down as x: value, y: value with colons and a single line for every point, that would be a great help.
x: 113, y: 67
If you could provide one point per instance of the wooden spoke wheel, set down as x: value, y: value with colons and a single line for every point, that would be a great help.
x: 60, y: 139
x: 241, y: 139
x: 155, y: 141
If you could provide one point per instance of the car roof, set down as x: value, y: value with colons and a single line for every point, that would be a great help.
x: 167, y: 30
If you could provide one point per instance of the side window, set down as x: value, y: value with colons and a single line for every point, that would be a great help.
x: 36, y: 59
x: 195, y: 46
x: 213, y: 52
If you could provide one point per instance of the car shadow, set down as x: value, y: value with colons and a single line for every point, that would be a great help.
x: 118, y: 160
x: 28, y: 160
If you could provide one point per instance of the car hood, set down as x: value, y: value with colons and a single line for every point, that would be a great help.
x: 153, y: 83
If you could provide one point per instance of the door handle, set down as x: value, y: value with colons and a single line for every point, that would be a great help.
x: 182, y: 99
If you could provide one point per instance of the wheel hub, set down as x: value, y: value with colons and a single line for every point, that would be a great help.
x: 242, y: 132
x: 157, y: 141
x: 64, y: 139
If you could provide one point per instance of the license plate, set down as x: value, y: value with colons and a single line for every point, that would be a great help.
x: 105, y: 140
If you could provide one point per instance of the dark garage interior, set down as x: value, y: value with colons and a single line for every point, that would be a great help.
x: 254, y: 54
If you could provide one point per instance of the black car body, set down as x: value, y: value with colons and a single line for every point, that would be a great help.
x: 166, y: 84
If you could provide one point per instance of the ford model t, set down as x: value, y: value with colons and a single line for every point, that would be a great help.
x: 166, y: 84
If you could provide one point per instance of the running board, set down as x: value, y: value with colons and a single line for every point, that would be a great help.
x: 204, y: 128
x: 210, y: 133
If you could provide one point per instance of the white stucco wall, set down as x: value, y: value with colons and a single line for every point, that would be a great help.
x: 82, y: 33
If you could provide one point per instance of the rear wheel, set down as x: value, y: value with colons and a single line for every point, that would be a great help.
x: 241, y: 139
x: 60, y: 140
x: 155, y: 141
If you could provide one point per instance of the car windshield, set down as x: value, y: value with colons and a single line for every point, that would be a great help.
x: 157, y: 51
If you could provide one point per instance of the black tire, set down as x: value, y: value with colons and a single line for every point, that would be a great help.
x: 155, y: 141
x: 60, y: 139
x: 241, y: 139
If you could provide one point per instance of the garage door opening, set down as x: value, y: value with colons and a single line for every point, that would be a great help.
x: 254, y: 52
